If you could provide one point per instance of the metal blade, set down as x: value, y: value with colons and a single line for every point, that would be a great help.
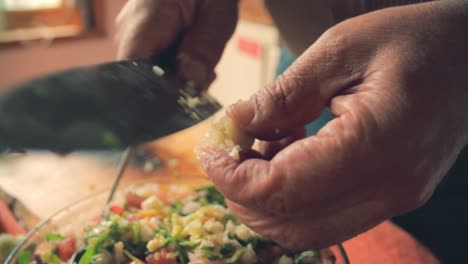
x: 105, y: 106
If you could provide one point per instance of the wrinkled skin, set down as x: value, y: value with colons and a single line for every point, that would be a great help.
x: 147, y: 27
x: 395, y: 79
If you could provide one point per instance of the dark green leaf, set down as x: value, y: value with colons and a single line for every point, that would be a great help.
x: 227, y: 249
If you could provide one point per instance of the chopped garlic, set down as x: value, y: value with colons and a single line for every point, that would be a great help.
x: 151, y: 202
x: 235, y: 152
x: 213, y: 226
x: 285, y: 260
x: 226, y: 135
x: 243, y: 232
x: 158, y: 70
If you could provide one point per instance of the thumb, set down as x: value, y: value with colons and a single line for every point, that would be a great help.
x: 297, y: 96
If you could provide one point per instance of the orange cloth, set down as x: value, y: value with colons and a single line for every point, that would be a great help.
x: 386, y: 244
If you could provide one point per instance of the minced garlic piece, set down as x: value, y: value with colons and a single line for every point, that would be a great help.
x: 228, y: 136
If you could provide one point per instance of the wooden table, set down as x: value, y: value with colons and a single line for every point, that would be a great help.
x: 45, y: 182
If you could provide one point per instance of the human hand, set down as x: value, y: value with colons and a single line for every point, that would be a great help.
x: 396, y: 81
x: 146, y: 27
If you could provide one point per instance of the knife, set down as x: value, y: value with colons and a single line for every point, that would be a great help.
x: 101, y: 107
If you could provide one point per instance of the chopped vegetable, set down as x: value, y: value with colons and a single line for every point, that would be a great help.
x: 185, y: 227
x: 52, y: 237
x: 66, y: 248
x: 24, y: 257
x: 133, y: 258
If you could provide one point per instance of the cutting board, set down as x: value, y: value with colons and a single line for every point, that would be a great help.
x: 45, y: 182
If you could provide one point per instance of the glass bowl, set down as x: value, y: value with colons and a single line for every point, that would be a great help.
x: 79, y: 214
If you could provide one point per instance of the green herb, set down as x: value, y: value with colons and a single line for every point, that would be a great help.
x: 230, y: 216
x: 189, y: 244
x: 213, y: 257
x: 111, y: 140
x: 114, y: 230
x: 207, y: 248
x: 52, y: 237
x: 235, y: 258
x: 178, y: 206
x: 100, y: 240
x: 87, y: 256
x: 213, y: 196
x: 227, y: 249
x: 8, y: 243
x: 51, y: 258
x: 136, y: 228
x: 24, y: 257
x: 183, y: 252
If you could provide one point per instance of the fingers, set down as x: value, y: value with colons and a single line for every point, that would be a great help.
x: 268, y: 149
x: 146, y: 27
x: 316, y: 230
x: 299, y: 95
x: 244, y: 182
x: 204, y: 41
x: 309, y: 173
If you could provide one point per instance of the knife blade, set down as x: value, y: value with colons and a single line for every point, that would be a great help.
x: 105, y: 106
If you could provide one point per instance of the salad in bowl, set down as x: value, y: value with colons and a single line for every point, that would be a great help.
x: 154, y: 223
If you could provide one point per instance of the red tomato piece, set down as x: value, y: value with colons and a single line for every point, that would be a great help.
x: 134, y: 200
x: 117, y: 209
x: 165, y: 197
x: 66, y: 248
x: 160, y: 257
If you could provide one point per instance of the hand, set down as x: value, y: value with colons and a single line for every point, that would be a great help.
x: 396, y: 80
x: 146, y: 27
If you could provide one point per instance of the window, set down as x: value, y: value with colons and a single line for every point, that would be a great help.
x: 24, y: 20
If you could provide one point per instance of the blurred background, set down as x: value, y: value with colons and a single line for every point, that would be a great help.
x: 42, y: 36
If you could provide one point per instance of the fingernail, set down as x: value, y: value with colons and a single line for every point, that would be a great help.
x: 204, y: 156
x: 192, y: 70
x: 242, y: 112
x: 212, y: 158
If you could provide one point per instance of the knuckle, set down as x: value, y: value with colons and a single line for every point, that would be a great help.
x: 283, y: 93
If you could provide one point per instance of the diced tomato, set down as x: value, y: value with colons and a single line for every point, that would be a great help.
x: 117, y: 209
x: 134, y: 200
x: 96, y: 219
x: 160, y: 257
x: 131, y: 218
x: 66, y: 248
x: 165, y: 197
